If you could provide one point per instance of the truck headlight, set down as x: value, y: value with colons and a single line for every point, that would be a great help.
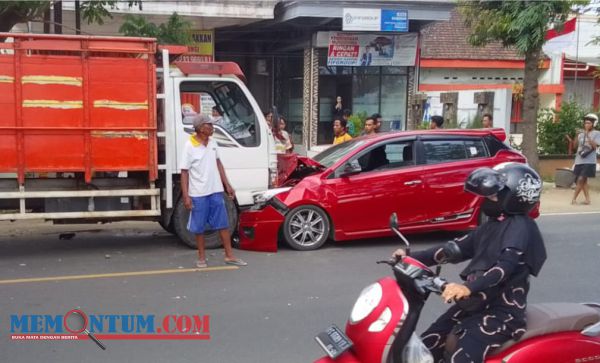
x: 367, y: 301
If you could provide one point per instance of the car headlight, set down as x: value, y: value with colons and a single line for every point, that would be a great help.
x: 261, y: 199
x: 367, y: 301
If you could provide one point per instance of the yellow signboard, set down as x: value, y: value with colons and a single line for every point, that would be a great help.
x: 203, y: 43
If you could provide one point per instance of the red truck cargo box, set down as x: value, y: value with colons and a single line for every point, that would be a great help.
x: 77, y: 104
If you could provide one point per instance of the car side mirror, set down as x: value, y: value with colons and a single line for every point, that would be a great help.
x: 350, y: 168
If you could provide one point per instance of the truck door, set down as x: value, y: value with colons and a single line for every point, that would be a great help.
x: 240, y: 130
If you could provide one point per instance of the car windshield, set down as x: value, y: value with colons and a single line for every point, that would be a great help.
x: 331, y: 156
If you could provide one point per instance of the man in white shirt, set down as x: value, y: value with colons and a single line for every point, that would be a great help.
x: 203, y: 181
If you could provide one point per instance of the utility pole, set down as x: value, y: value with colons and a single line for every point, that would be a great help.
x: 58, y: 17
x: 77, y: 18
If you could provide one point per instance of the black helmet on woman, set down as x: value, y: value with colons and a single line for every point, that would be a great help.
x: 517, y: 186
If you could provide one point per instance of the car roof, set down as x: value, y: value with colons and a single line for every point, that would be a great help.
x: 498, y: 133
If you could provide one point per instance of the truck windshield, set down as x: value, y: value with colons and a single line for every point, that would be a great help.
x: 329, y: 157
x: 226, y: 104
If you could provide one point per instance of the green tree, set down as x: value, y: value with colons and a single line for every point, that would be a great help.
x: 15, y: 12
x: 553, y: 125
x: 176, y: 30
x: 522, y: 25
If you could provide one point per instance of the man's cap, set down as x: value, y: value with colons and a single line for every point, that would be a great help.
x: 591, y: 117
x: 201, y: 119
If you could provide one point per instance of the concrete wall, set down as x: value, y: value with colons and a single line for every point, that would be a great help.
x: 467, y: 110
x: 203, y: 14
x: 470, y: 76
x: 547, y: 166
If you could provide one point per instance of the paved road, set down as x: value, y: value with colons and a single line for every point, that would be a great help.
x: 266, y: 312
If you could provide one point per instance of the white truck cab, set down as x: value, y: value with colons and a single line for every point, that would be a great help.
x: 245, y: 140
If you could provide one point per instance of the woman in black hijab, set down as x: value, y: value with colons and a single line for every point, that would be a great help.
x: 504, y: 251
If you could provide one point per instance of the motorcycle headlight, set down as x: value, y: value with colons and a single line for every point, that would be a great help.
x: 261, y: 199
x: 367, y: 301
x: 380, y: 324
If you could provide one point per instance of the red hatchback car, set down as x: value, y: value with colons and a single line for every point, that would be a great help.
x: 348, y: 191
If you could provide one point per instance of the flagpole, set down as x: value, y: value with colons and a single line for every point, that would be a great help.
x: 576, y: 57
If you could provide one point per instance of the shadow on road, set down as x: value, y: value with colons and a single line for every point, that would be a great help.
x: 78, y: 240
x: 392, y: 241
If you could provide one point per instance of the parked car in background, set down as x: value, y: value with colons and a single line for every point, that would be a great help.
x: 348, y: 191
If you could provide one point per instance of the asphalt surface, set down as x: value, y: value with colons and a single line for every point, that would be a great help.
x: 268, y: 311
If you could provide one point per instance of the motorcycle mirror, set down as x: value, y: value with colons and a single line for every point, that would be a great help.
x: 394, y: 220
x: 394, y: 227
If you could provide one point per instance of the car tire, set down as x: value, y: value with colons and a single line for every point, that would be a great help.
x: 306, y: 228
x: 211, y: 238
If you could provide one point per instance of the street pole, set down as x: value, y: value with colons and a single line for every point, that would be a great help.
x: 576, y: 58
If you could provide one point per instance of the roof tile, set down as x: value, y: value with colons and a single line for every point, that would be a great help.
x: 449, y: 40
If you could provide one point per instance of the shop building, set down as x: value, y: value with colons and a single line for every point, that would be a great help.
x: 305, y: 57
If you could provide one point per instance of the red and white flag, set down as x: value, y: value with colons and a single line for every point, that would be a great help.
x: 575, y: 40
x: 567, y: 29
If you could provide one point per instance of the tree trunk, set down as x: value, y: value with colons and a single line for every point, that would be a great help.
x: 531, y: 104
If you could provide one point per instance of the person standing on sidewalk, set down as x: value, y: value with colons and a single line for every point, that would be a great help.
x: 436, y: 122
x: 487, y: 121
x: 585, y: 165
x: 340, y: 132
x: 203, y: 181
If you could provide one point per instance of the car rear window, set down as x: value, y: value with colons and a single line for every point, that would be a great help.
x: 494, y: 145
x: 440, y: 151
x: 475, y: 149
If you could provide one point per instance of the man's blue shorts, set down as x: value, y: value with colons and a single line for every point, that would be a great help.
x: 208, y: 213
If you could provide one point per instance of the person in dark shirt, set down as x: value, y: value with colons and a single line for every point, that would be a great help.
x: 503, y: 252
x: 437, y: 122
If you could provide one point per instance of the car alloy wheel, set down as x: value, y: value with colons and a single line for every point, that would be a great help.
x: 306, y: 228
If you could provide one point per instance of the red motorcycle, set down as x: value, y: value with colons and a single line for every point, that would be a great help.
x: 381, y: 327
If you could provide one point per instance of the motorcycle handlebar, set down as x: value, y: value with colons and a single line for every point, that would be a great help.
x: 439, y: 284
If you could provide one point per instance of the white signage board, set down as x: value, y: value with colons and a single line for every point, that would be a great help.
x: 355, y: 19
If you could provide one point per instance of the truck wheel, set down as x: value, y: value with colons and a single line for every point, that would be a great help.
x: 167, y: 227
x: 211, y: 238
x: 306, y: 228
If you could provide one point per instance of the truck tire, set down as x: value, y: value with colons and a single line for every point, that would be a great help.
x: 211, y: 238
x: 306, y: 228
x: 167, y: 227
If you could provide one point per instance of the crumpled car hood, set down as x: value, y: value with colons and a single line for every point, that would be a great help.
x: 291, y: 168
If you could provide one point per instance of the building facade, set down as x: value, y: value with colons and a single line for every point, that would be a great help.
x: 305, y: 58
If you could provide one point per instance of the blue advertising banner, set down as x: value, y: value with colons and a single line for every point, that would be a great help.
x: 394, y: 20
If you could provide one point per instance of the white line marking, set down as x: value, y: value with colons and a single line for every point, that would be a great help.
x: 567, y: 213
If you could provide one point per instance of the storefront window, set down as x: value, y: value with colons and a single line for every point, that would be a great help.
x: 289, y: 93
x: 368, y: 90
x: 365, y: 93
x: 393, y: 102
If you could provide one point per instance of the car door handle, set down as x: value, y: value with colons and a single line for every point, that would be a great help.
x: 413, y: 182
